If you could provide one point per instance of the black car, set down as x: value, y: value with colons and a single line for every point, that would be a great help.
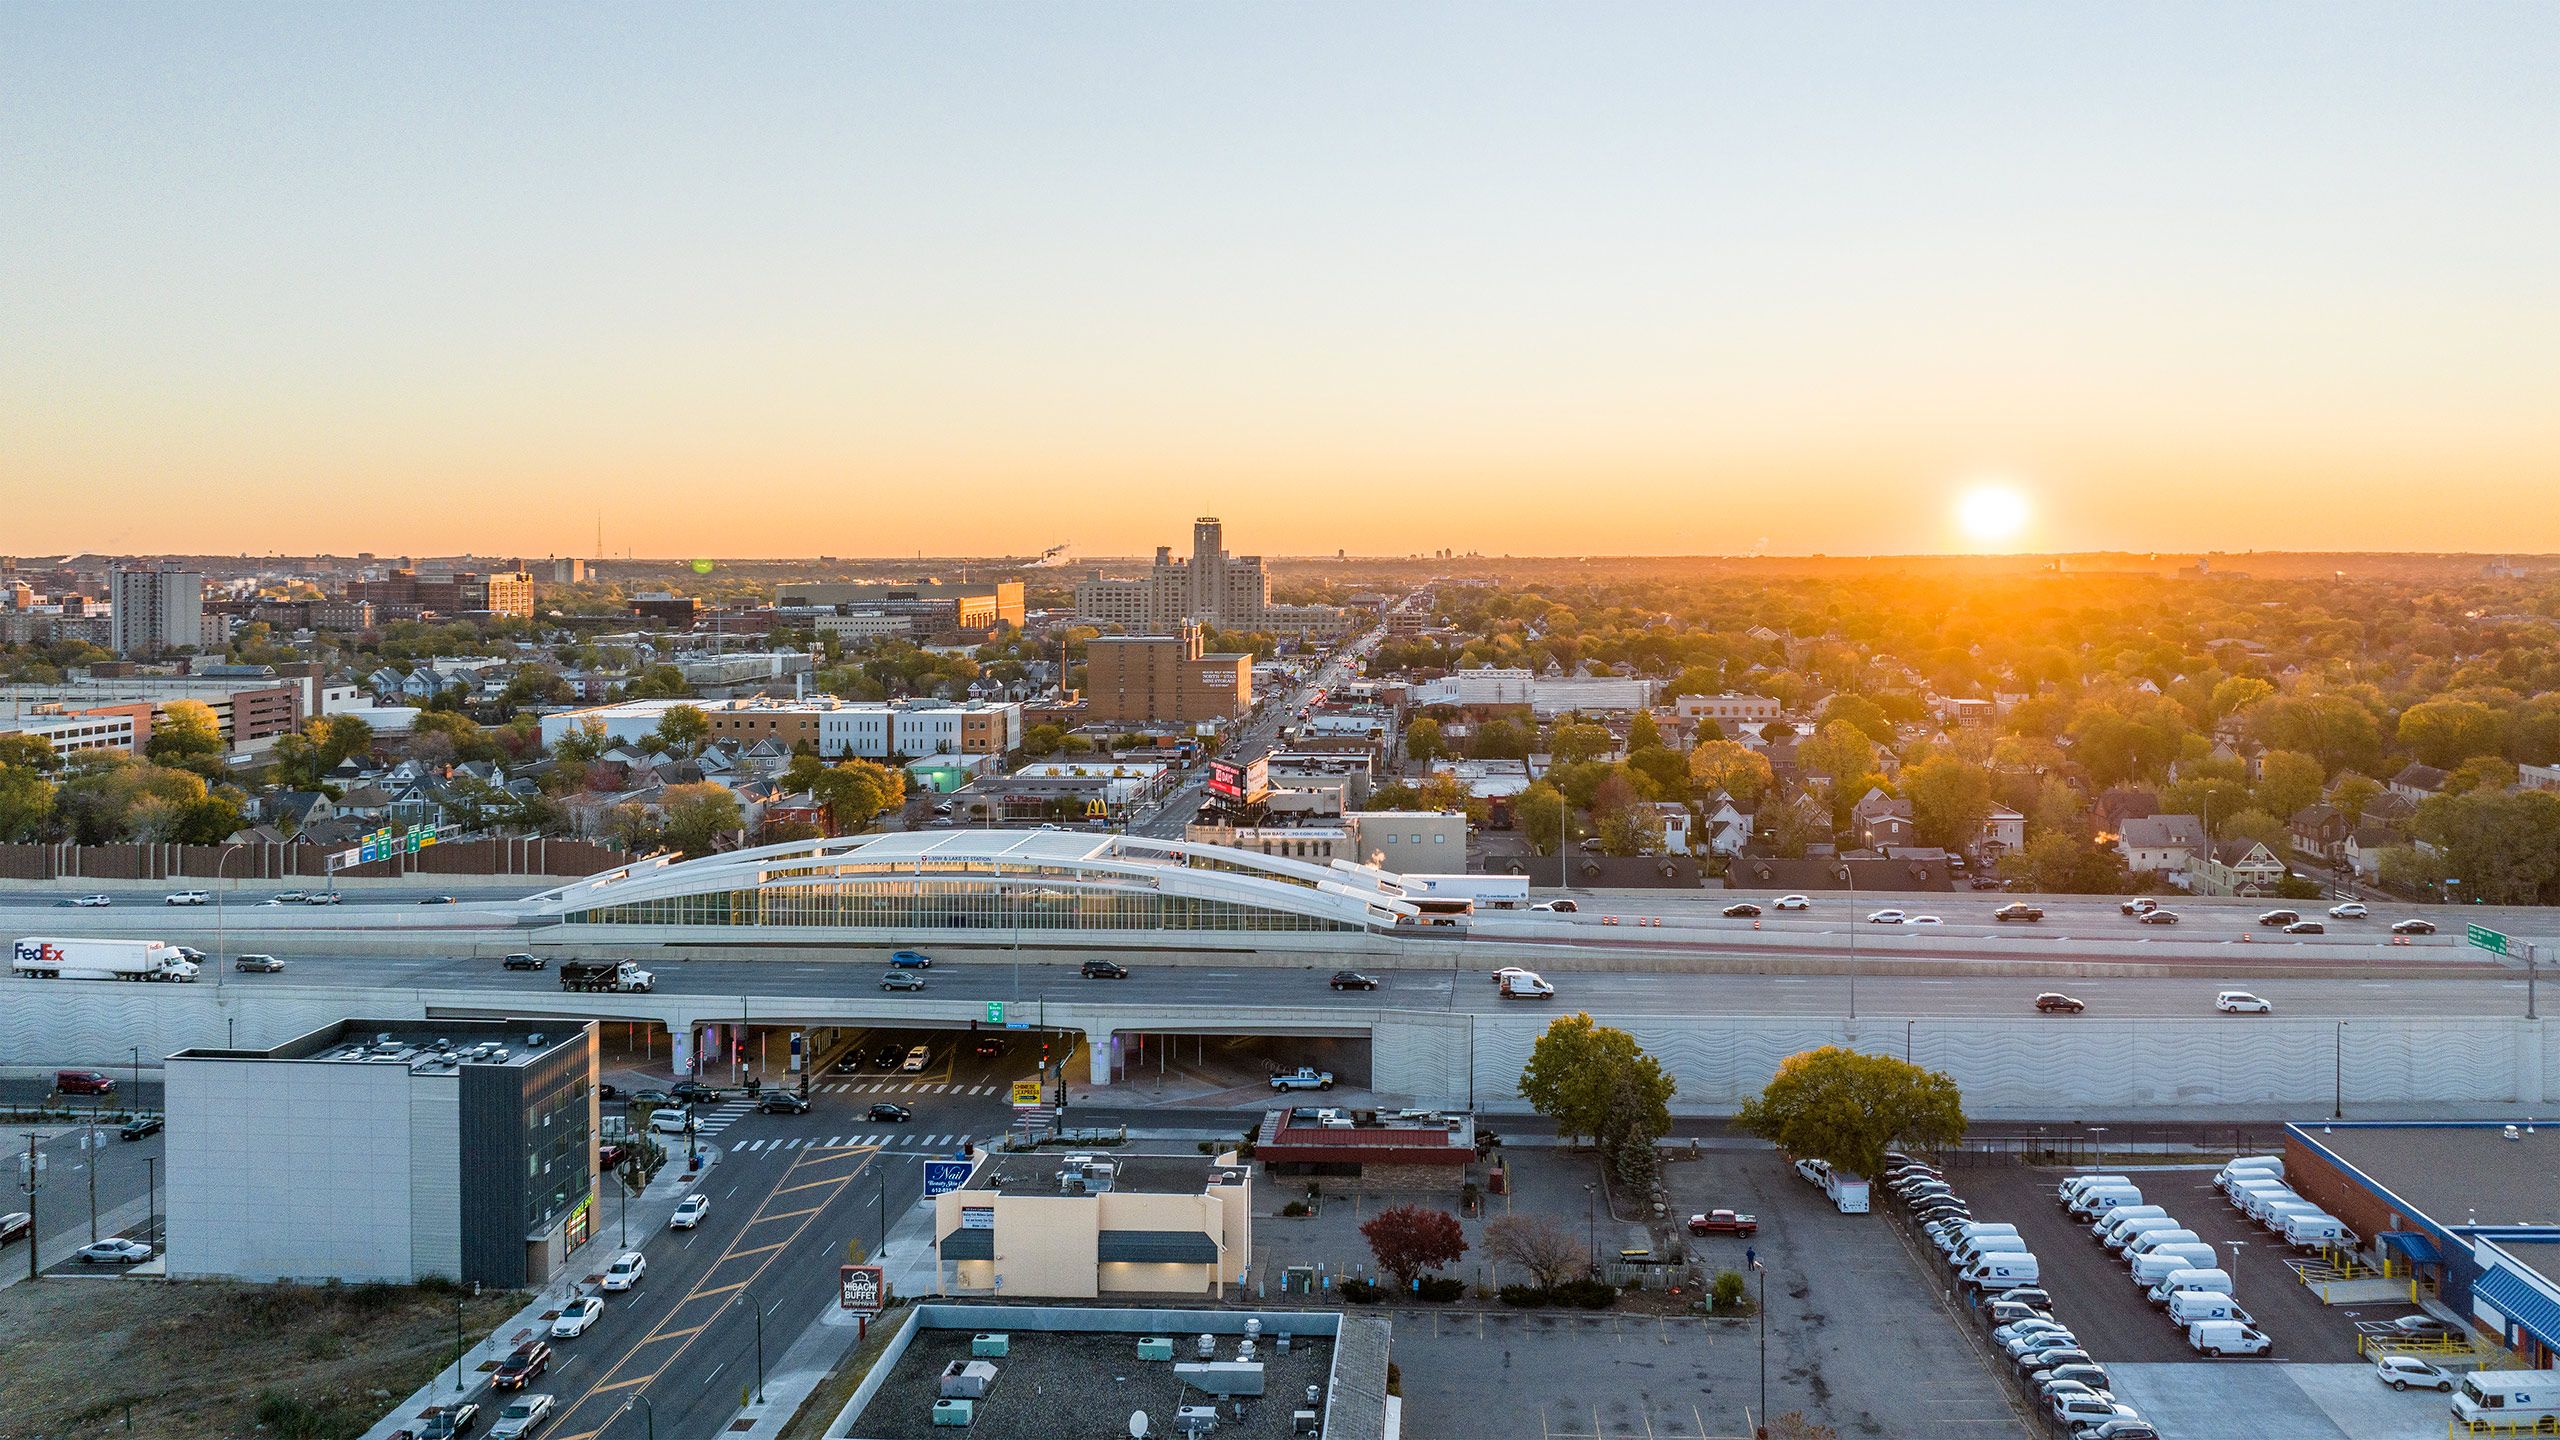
x: 2157, y: 917
x: 988, y: 1045
x: 523, y: 1366
x: 850, y: 1064
x: 2018, y: 910
x: 890, y: 1114
x: 606, y: 1090
x: 2306, y: 927
x: 694, y: 1092
x: 139, y: 1126
x: 1352, y: 980
x: 888, y: 1057
x: 437, y: 900
x: 2413, y: 927
x: 447, y: 1421
x: 1104, y: 970
x: 2274, y: 918
x: 523, y: 962
x: 783, y: 1102
x: 1743, y: 911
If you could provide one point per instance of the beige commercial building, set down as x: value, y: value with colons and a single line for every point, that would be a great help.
x: 1055, y: 1226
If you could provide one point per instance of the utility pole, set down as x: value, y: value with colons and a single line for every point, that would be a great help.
x: 29, y: 1182
x: 89, y: 1145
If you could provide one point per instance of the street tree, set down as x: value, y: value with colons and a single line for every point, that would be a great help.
x: 1840, y: 750
x: 1539, y: 814
x: 1861, y: 712
x: 683, y: 730
x: 1594, y: 1080
x: 1574, y: 741
x: 2446, y: 732
x: 1643, y: 731
x: 1422, y: 740
x: 187, y: 733
x: 1846, y: 1108
x: 2288, y: 781
x: 1406, y: 1240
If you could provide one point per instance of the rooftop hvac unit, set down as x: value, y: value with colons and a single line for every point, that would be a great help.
x: 954, y: 1412
x: 1196, y: 1419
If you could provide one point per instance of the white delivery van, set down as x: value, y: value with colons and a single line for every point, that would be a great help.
x: 2521, y: 1398
x: 2151, y: 1240
x: 2069, y: 1190
x: 2160, y: 1264
x: 2317, y: 1231
x: 2226, y: 1337
x: 1848, y: 1193
x: 2248, y: 1167
x: 2098, y: 1201
x: 2274, y: 1215
x: 2147, y: 1225
x: 1973, y: 1252
x: 2112, y: 1224
x: 2001, y: 1272
x: 2186, y: 1307
x: 2177, y: 1280
x: 2248, y: 1190
x: 2256, y: 1203
x: 1521, y: 985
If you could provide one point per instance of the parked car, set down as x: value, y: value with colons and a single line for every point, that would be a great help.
x: 2403, y: 1371
x: 651, y: 1096
x: 258, y: 964
x: 118, y: 1251
x: 694, y: 1092
x: 2018, y: 910
x: 524, y: 962
x: 1103, y: 970
x: 1791, y: 902
x: 2279, y: 917
x: 2156, y: 917
x: 2054, y: 1002
x: 2306, y: 927
x: 521, y: 1418
x: 575, y: 1317
x: 673, y: 1120
x: 140, y: 1126
x: 523, y: 1365
x: 889, y: 1114
x: 1745, y: 910
x: 901, y: 980
x: 782, y: 1102
x: 2413, y: 927
x: 911, y: 960
x: 625, y: 1271
x: 447, y: 1422
x: 84, y: 1082
x: 185, y: 897
x: 2349, y: 910
x: 15, y: 1225
x: 2241, y: 1002
x: 1351, y: 980
x: 2427, y: 1327
x: 689, y: 1211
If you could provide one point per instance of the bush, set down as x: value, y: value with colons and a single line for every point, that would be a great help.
x: 1587, y: 1294
x: 1359, y: 1292
x: 1728, y: 1289
x: 1526, y: 1295
x: 1440, y: 1289
x: 1295, y: 1209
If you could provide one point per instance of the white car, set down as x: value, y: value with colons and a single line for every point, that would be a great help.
x: 1791, y: 902
x: 575, y: 1317
x: 2351, y: 910
x: 186, y: 897
x: 1884, y: 917
x: 916, y: 1060
x: 689, y: 1212
x: 90, y: 902
x: 523, y: 1415
x: 2241, y: 1002
x: 672, y: 1120
x: 625, y: 1271
x: 114, y: 1252
x: 1924, y: 920
x: 2402, y: 1371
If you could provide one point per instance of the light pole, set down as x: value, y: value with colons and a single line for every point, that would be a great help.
x: 219, y: 893
x: 757, y: 1312
x: 1590, y: 1227
x: 137, y: 1073
x: 1761, y: 1274
x: 1906, y: 1040
x: 89, y: 1142
x: 882, y: 1248
x: 459, y: 1348
x: 2338, y: 1072
x: 151, y: 1198
x: 1849, y: 877
x: 648, y: 1412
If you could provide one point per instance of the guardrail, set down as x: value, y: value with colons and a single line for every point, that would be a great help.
x: 2547, y: 1425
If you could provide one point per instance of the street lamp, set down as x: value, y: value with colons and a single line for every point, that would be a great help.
x: 220, y: 861
x: 2338, y: 1072
x: 648, y: 1411
x: 137, y: 1073
x: 1849, y: 878
x: 1590, y: 1227
x: 1761, y: 1274
x: 756, y: 1311
x: 459, y: 1348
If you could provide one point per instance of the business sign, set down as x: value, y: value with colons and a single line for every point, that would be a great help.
x: 2493, y: 941
x: 1243, y: 784
x: 861, y: 1287
x: 977, y: 1217
x: 941, y: 1177
x: 1026, y: 1093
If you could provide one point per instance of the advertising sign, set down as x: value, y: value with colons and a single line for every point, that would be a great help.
x: 941, y: 1177
x: 1026, y: 1093
x: 977, y: 1217
x: 861, y: 1287
x: 1226, y: 781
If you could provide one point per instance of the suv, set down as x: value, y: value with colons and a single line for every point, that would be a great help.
x: 2279, y: 917
x: 1104, y: 970
x: 447, y: 1421
x: 523, y: 962
x: 783, y: 1102
x: 258, y: 964
x: 83, y: 1082
x: 694, y: 1092
x: 184, y: 897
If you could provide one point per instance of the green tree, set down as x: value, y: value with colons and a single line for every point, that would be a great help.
x: 2505, y: 849
x: 2480, y: 772
x: 1596, y: 1081
x: 28, y: 752
x: 1858, y: 710
x: 2288, y: 781
x: 1839, y: 749
x: 2444, y: 733
x: 1042, y: 740
x: 2066, y: 863
x: 2351, y: 795
x: 1732, y: 767
x: 1643, y: 731
x: 697, y: 816
x: 1422, y: 740
x: 340, y: 737
x: 683, y: 730
x: 2333, y: 729
x: 2256, y: 824
x: 26, y: 804
x: 581, y: 743
x: 1574, y: 741
x: 1950, y: 798
x: 2238, y: 692
x: 1537, y: 813
x: 658, y: 682
x: 1846, y: 1108
x: 854, y: 793
x: 186, y: 733
x: 1499, y: 740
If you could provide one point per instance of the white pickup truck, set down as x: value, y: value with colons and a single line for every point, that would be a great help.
x: 1305, y: 1077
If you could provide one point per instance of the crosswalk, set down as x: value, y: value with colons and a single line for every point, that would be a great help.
x: 911, y: 1087
x: 720, y: 1117
x: 894, y: 1139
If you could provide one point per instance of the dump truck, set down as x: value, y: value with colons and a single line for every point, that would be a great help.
x: 618, y: 975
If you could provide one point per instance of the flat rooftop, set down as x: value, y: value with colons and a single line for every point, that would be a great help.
x: 417, y: 1044
x: 1057, y: 1385
x: 1036, y: 1173
x: 2455, y: 1174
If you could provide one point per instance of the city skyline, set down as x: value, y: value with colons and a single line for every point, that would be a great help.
x: 817, y: 282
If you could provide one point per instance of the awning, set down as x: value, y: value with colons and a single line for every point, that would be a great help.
x: 2521, y: 1301
x: 969, y: 1245
x: 1154, y: 1247
x: 2414, y: 1245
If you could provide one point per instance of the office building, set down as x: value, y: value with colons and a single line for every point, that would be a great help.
x: 1212, y: 587
x: 1164, y: 679
x: 385, y: 1150
x: 156, y: 611
x: 1048, y: 1225
x: 462, y: 592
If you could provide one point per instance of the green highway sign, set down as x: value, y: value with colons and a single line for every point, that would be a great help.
x: 2493, y: 941
x: 995, y: 1012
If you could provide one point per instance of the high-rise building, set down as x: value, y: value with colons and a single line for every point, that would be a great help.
x: 1212, y: 587
x: 156, y: 610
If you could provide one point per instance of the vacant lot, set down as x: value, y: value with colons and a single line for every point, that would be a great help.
x: 212, y: 1360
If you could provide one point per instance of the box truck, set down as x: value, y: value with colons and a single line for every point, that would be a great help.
x: 1847, y: 1191
x: 53, y: 957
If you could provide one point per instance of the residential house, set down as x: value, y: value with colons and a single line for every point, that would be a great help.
x: 2363, y: 849
x: 1880, y: 820
x: 2161, y: 844
x: 1725, y: 828
x: 295, y: 810
x: 2391, y: 808
x: 2538, y: 777
x: 2417, y: 782
x: 1671, y: 819
x: 2319, y: 830
x: 2003, y: 830
x: 2238, y: 867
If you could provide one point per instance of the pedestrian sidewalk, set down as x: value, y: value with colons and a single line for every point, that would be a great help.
x: 648, y: 1215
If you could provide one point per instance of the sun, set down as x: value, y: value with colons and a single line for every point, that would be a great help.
x: 1991, y: 513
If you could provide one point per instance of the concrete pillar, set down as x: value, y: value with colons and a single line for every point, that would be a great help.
x: 1101, y: 1046
x: 2533, y: 1080
x: 682, y: 1058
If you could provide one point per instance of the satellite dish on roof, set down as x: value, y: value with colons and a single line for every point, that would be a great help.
x: 1137, y: 1425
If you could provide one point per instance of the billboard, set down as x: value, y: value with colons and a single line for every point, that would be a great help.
x: 941, y: 1177
x: 1240, y: 784
x: 862, y: 1287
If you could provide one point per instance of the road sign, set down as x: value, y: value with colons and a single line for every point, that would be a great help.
x: 2493, y: 941
x: 941, y: 1177
x: 995, y: 1012
x: 860, y: 1287
x: 1026, y: 1093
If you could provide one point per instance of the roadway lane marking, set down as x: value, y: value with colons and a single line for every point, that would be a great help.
x: 747, y: 1146
x: 834, y: 1140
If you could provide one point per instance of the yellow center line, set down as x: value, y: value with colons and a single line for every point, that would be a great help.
x: 743, y: 1254
x: 796, y: 1214
x: 721, y: 1289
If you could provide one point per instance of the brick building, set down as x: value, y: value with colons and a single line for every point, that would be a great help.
x: 1164, y: 679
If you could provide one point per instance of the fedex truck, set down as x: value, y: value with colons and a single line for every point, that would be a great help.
x: 53, y: 957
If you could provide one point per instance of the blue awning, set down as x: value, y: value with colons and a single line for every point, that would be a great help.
x: 2416, y: 1245
x: 969, y: 1245
x: 2516, y: 1298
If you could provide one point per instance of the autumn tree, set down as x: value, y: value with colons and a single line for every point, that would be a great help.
x: 1840, y: 750
x: 1643, y: 732
x: 2288, y: 781
x: 1950, y: 798
x: 698, y: 815
x: 1577, y: 740
x: 185, y: 733
x: 2446, y: 732
x: 1406, y: 1240
x: 1538, y: 1243
x: 1422, y: 740
x: 1846, y: 1108
x: 683, y: 730
x: 1859, y: 711
x: 1733, y: 767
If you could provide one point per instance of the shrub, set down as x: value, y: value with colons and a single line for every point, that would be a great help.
x: 1358, y: 1292
x: 1587, y: 1294
x: 1294, y: 1209
x: 1526, y: 1295
x: 1728, y: 1289
x: 1440, y: 1289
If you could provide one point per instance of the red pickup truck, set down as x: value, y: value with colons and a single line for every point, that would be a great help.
x: 1723, y: 1222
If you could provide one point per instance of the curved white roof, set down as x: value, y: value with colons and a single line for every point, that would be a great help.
x: 1340, y: 891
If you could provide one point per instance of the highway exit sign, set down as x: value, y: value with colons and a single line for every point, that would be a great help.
x: 995, y: 1012
x: 2493, y: 941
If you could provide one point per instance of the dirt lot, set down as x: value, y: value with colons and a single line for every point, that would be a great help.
x: 219, y: 1361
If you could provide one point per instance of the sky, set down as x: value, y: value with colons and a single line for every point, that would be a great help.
x: 779, y: 279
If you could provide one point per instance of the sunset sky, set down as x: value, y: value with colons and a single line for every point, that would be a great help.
x: 781, y: 280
